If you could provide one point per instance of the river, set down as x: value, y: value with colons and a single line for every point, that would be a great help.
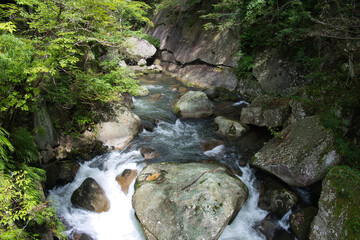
x: 176, y: 141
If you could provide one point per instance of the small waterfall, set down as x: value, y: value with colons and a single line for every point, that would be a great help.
x: 175, y: 141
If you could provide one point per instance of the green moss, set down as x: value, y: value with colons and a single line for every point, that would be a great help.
x: 346, y: 182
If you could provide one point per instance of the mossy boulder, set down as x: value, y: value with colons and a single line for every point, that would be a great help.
x: 300, y: 154
x: 339, y: 206
x: 266, y: 111
x: 193, y: 104
x: 188, y: 200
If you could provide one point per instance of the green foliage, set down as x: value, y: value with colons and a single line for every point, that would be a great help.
x: 16, y: 75
x: 24, y: 143
x: 5, y: 147
x: 21, y: 204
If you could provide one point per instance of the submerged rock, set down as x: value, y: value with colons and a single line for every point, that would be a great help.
x: 188, y: 200
x: 229, y: 128
x: 339, y: 206
x: 193, y: 104
x: 300, y: 154
x: 90, y: 196
x: 275, y: 198
x: 126, y: 178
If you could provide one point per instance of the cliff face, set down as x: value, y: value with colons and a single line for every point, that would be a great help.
x: 197, y: 57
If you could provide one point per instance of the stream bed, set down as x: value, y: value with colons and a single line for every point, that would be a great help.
x: 176, y: 141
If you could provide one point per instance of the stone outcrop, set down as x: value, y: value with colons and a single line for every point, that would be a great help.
x: 188, y: 200
x: 229, y: 128
x: 275, y: 198
x: 120, y: 129
x: 300, y: 154
x: 126, y: 178
x: 266, y: 111
x: 44, y: 128
x: 193, y: 104
x: 196, y: 56
x: 203, y: 76
x: 90, y: 196
x: 339, y: 206
x: 275, y: 74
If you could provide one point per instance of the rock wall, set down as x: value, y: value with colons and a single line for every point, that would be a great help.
x: 195, y: 56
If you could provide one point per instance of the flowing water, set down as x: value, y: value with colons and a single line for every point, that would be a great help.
x: 176, y: 141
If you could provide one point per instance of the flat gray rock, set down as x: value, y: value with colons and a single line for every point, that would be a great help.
x: 187, y: 200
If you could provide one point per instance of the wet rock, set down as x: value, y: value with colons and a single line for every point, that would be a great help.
x: 90, y: 196
x: 149, y: 153
x: 207, y: 146
x: 300, y: 222
x: 266, y: 111
x: 119, y: 130
x: 182, y: 89
x: 300, y: 154
x: 126, y: 178
x: 142, y: 91
x: 339, y: 206
x: 155, y: 97
x: 60, y: 173
x: 189, y: 200
x: 275, y: 74
x: 229, y: 128
x: 275, y: 198
x: 193, y: 104
x: 81, y: 236
x: 269, y: 225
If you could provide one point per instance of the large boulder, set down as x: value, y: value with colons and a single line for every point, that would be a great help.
x: 229, y: 128
x: 139, y: 48
x: 188, y: 200
x: 193, y: 104
x: 275, y: 74
x: 266, y: 111
x: 90, y: 196
x: 275, y: 198
x: 120, y: 129
x: 339, y: 206
x: 300, y: 154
